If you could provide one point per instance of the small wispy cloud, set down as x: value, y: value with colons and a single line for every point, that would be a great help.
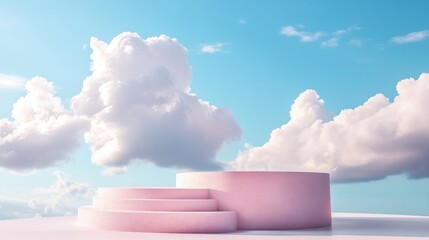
x: 333, y: 42
x: 337, y: 35
x: 212, y: 48
x: 327, y: 39
x: 12, y: 82
x: 112, y: 171
x: 411, y: 37
x: 60, y: 199
x: 356, y: 42
x: 344, y: 31
x: 242, y: 21
x: 291, y: 31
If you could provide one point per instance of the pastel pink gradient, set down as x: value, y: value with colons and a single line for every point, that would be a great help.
x: 215, y: 202
x: 267, y: 200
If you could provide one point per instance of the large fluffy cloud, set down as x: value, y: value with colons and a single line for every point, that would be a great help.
x: 372, y: 141
x: 136, y: 104
x: 41, y: 132
x: 140, y: 105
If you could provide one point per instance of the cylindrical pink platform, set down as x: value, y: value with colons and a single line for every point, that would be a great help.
x: 267, y: 200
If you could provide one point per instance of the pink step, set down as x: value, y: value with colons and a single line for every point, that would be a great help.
x: 166, y: 222
x: 155, y: 204
x: 153, y: 193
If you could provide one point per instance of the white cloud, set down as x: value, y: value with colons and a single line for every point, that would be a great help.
x: 411, y: 37
x: 11, y: 82
x: 337, y: 35
x: 375, y: 140
x: 291, y: 31
x: 140, y: 105
x: 41, y: 133
x: 111, y: 171
x: 242, y: 21
x: 334, y: 37
x: 65, y: 188
x: 11, y: 208
x: 62, y: 198
x: 333, y: 42
x: 212, y: 48
x: 136, y: 105
x: 356, y: 42
x: 344, y: 31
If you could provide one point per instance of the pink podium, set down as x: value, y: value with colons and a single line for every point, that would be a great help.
x: 267, y: 200
x: 215, y: 202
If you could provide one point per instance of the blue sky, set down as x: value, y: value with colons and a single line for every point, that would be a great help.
x: 242, y: 58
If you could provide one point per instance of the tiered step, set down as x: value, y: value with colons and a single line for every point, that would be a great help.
x: 154, y: 193
x: 174, y: 205
x: 152, y: 221
x: 170, y: 210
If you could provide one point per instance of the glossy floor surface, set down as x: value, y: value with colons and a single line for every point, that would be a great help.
x: 345, y: 226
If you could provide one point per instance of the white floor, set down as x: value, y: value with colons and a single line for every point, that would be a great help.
x: 345, y: 226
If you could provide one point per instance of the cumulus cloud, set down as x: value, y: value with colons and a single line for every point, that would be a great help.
x: 11, y: 82
x: 136, y: 105
x: 212, y: 48
x: 62, y: 198
x: 291, y: 31
x: 372, y: 141
x: 41, y: 132
x: 411, y: 37
x: 141, y: 108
